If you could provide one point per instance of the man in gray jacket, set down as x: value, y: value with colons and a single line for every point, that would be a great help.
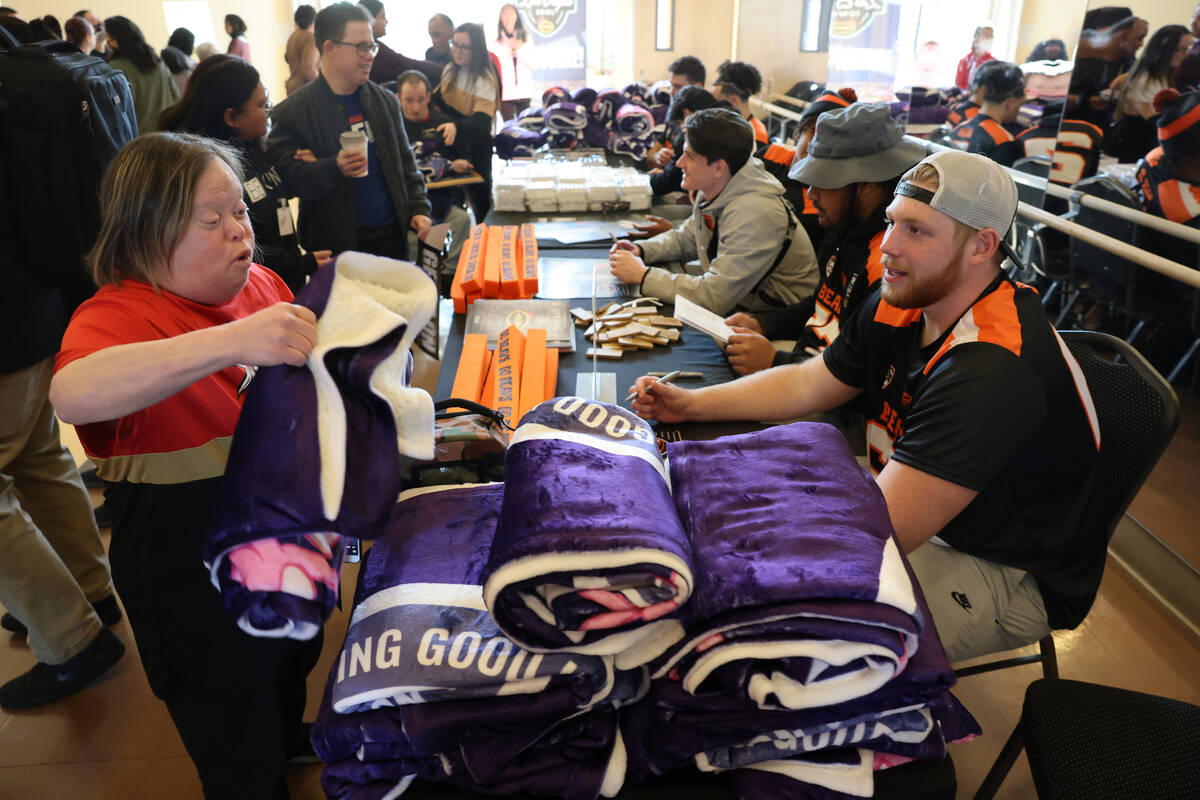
x: 753, y: 253
x: 348, y: 201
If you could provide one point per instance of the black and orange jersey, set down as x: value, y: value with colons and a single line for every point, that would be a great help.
x: 995, y: 404
x: 760, y: 131
x: 983, y: 135
x: 185, y: 437
x: 1163, y: 194
x: 840, y: 289
x: 1072, y: 145
x: 961, y: 111
x: 777, y: 159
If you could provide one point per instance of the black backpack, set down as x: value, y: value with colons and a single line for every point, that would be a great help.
x: 63, y: 117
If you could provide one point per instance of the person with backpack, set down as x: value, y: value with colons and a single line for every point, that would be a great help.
x: 149, y: 79
x: 226, y: 100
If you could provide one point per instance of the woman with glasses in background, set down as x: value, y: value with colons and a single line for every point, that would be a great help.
x: 470, y: 93
x: 225, y: 100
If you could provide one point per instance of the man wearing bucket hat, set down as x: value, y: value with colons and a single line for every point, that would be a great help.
x: 852, y: 166
x: 980, y: 428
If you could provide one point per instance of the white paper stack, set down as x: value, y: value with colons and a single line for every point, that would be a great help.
x: 601, y: 188
x: 508, y: 188
x: 635, y: 188
x: 572, y: 188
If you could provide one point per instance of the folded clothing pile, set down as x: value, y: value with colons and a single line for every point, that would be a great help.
x: 565, y: 123
x: 514, y: 140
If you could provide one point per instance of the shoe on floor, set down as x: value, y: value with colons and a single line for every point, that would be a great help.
x: 45, y: 683
x: 87, y: 471
x: 103, y: 515
x: 106, y: 608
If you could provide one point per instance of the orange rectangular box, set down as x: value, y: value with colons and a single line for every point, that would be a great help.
x: 474, y: 253
x: 533, y: 373
x: 511, y: 263
x: 472, y: 368
x: 529, y: 261
x: 510, y: 355
x: 491, y: 263
x: 551, y: 386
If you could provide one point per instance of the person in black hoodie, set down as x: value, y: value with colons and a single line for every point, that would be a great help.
x: 225, y: 100
x: 851, y: 168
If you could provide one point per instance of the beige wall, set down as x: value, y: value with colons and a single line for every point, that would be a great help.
x: 268, y: 24
x: 769, y: 38
x: 1049, y: 19
x: 702, y: 29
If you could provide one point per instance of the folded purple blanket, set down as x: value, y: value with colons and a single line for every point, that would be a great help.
x: 660, y: 93
x: 633, y: 120
x: 604, y: 110
x: 635, y: 147
x: 809, y: 608
x: 555, y: 94
x: 637, y: 92
x: 420, y: 632
x: 563, y: 140
x: 516, y: 141
x: 532, y: 118
x: 589, y: 556
x: 349, y: 422
x: 585, y: 96
x: 566, y: 117
x: 595, y: 134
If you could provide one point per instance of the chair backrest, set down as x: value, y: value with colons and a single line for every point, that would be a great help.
x: 1138, y: 412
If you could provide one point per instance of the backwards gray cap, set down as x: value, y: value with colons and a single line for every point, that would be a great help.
x: 973, y: 190
x: 857, y: 144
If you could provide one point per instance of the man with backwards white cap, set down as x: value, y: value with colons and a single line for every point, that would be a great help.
x: 980, y: 428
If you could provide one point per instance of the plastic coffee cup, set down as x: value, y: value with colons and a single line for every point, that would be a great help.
x: 355, y: 141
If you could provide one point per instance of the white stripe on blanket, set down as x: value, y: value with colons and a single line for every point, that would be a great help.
x: 420, y: 594
x: 853, y: 779
x: 792, y: 693
x: 532, y: 432
x: 895, y: 589
x: 614, y: 773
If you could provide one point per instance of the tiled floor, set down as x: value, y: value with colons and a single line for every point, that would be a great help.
x: 114, y: 740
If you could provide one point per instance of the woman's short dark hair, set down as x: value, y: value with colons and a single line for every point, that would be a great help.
x: 131, y: 43
x: 182, y: 40
x: 146, y: 201
x: 331, y: 22
x: 219, y: 82
x: 689, y: 67
x: 720, y: 134
x: 237, y: 25
x: 690, y: 98
x: 304, y: 15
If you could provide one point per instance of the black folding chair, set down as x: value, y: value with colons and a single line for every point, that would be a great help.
x: 1138, y: 413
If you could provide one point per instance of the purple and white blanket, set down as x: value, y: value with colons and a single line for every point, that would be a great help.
x: 802, y: 598
x: 555, y: 94
x: 566, y: 117
x: 637, y: 92
x: 532, y: 118
x: 604, y: 109
x: 635, y: 147
x: 562, y: 140
x: 589, y: 555
x: 633, y: 120
x: 349, y: 422
x: 585, y: 96
x: 420, y: 631
x: 514, y: 140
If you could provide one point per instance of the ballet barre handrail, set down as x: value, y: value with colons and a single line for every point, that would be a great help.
x: 1137, y: 255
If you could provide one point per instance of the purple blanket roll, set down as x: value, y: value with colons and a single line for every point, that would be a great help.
x: 532, y: 119
x: 555, y: 94
x: 595, y: 134
x: 515, y: 141
x: 566, y: 117
x: 563, y: 140
x: 660, y: 93
x: 585, y: 96
x: 806, y: 608
x: 635, y: 147
x: 660, y: 118
x: 604, y: 110
x: 420, y: 632
x: 633, y: 120
x: 589, y: 556
x: 637, y: 92
x: 349, y: 423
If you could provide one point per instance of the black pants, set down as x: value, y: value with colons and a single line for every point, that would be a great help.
x: 389, y: 242
x: 236, y: 699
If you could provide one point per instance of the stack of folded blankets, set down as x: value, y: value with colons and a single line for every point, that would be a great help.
x: 605, y: 616
x: 633, y: 131
x: 515, y: 140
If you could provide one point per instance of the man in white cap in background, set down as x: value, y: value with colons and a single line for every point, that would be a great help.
x: 979, y: 426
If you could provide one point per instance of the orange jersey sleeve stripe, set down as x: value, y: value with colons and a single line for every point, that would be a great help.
x: 875, y: 259
x: 993, y: 319
x: 997, y: 131
x: 896, y: 317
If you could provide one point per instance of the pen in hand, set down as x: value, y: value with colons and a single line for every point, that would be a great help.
x: 670, y: 376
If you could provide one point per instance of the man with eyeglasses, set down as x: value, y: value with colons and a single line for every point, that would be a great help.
x: 341, y: 207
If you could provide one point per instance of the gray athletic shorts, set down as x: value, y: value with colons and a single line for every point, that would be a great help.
x: 978, y: 606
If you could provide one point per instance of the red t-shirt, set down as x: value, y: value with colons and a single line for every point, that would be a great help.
x: 186, y: 436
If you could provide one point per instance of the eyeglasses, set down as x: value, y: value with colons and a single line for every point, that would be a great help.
x: 363, y: 48
x: 458, y: 46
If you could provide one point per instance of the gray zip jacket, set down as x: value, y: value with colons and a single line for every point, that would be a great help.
x: 752, y: 225
x: 312, y: 118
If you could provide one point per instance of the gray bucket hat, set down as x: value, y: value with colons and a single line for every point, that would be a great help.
x: 857, y: 144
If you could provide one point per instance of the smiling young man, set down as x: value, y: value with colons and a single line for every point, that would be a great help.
x: 980, y: 428
x: 753, y: 254
x: 338, y: 209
